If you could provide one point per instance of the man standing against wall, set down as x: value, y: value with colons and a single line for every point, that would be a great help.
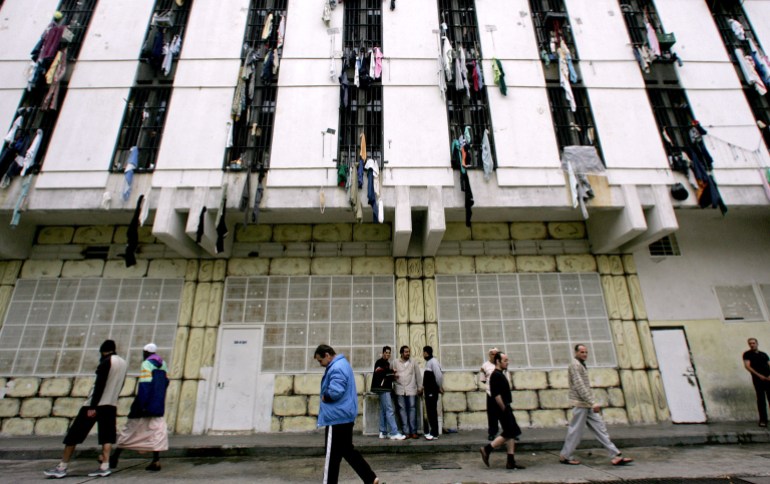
x: 432, y: 379
x: 408, y: 386
x: 756, y: 363
x: 501, y: 394
x: 100, y: 408
x: 382, y: 385
x: 585, y: 410
x: 485, y: 373
x: 338, y: 411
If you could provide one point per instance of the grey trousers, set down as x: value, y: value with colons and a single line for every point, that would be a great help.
x: 580, y: 417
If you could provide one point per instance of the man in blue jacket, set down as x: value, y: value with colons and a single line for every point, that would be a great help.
x: 338, y: 411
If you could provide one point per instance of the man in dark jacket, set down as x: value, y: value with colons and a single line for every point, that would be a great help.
x: 382, y: 384
x: 758, y: 364
x: 501, y: 394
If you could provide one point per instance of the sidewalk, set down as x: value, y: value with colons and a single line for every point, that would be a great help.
x: 311, y: 444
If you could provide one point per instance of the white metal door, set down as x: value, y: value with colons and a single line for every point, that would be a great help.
x: 678, y: 374
x: 240, y: 350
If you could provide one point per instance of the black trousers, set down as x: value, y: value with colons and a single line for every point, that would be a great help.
x: 431, y: 408
x: 339, y: 445
x: 492, y: 415
x: 762, y: 388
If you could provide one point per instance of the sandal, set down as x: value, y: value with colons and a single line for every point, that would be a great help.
x: 569, y: 462
x: 622, y: 461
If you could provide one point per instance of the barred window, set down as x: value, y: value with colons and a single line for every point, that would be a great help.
x: 76, y: 15
x: 634, y: 12
x: 254, y: 112
x: 572, y: 127
x: 164, y: 32
x: 552, y: 25
x: 362, y: 33
x: 142, y: 127
x: 467, y: 108
x: 672, y: 114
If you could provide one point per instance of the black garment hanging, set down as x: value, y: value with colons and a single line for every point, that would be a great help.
x: 344, y: 86
x: 222, y: 227
x: 132, y: 234
x: 258, y: 196
x: 245, y: 195
x: 465, y: 186
x: 201, y: 223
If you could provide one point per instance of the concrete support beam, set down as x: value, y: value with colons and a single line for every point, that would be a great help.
x: 661, y: 220
x: 402, y: 222
x: 169, y: 225
x: 199, y: 200
x: 609, y: 230
x: 435, y: 224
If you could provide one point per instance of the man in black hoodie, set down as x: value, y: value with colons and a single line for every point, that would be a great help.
x: 382, y: 384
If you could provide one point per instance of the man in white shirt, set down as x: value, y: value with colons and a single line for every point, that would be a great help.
x: 408, y: 386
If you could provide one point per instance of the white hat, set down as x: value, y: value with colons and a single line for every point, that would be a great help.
x: 150, y: 348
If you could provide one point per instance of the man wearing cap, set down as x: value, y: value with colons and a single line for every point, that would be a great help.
x: 99, y: 408
x: 146, y: 430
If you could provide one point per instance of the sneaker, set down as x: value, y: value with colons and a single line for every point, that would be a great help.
x: 57, y: 472
x: 430, y: 437
x: 100, y: 473
x: 383, y: 435
x: 397, y: 437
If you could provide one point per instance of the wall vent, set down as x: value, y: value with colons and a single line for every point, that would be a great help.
x: 665, y: 247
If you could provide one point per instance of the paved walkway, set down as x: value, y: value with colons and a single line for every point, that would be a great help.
x: 311, y: 444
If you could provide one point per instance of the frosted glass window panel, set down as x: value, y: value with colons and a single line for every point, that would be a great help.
x: 297, y: 310
x: 47, y: 361
x: 450, y: 332
x: 574, y: 307
x: 383, y: 309
x: 39, y: 313
x: 122, y: 332
x: 25, y: 290
x: 341, y: 309
x: 557, y: 330
x: 539, y: 355
x: 236, y: 288
x: 17, y: 313
x: 492, y: 332
x: 70, y: 362
x: 168, y: 312
x: 513, y: 330
x: 562, y: 354
x: 578, y: 330
x: 32, y: 336
x: 274, y: 335
x: 320, y: 310
x: 451, y: 357
x: 488, y: 286
x: 473, y: 355
x: 340, y: 334
x: 594, y: 306
x: 125, y: 312
x: 11, y: 337
x: 469, y: 308
x: 103, y: 312
x: 550, y: 284
x: 591, y: 285
x: 254, y: 311
x: 535, y: 331
x: 362, y: 357
x: 384, y: 335
x: 25, y: 363
x: 46, y: 290
x: 257, y: 289
x: 553, y: 307
x: 6, y: 357
x: 276, y: 310
x: 570, y: 284
x: 362, y: 290
x: 470, y: 332
x: 278, y: 288
x: 449, y: 309
x: 342, y: 288
x: 447, y: 288
x: 67, y: 290
x: 489, y: 308
x: 529, y: 285
x: 362, y: 310
x: 140, y: 336
x: 299, y: 288
x: 296, y: 334
x: 318, y: 332
x: 60, y: 313
x: 272, y: 359
x: 82, y: 312
x: 232, y: 311
x: 599, y: 330
x: 466, y: 286
x: 99, y: 333
x: 151, y: 289
x: 532, y: 307
x: 517, y: 356
x: 128, y: 291
x: 509, y: 285
x: 76, y: 337
x: 109, y: 290
x: 362, y: 335
x: 321, y: 288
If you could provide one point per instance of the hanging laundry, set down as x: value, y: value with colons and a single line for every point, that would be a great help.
x: 131, y: 164
x: 344, y: 87
x: 372, y: 179
x: 29, y: 157
x: 258, y: 195
x: 53, y: 78
x: 9, y: 166
x: 486, y: 155
x: 357, y: 73
x: 267, y: 67
x: 464, y: 72
x: 239, y: 99
x: 643, y: 60
x: 392, y: 5
x: 570, y: 67
x: 652, y: 38
x: 447, y: 58
x: 170, y: 49
x: 749, y: 72
x: 499, y: 76
x: 201, y: 226
x: 760, y: 62
x: 23, y: 194
x: 377, y: 63
x: 326, y: 16
x: 455, y: 150
x: 281, y: 31
x: 441, y: 76
x: 362, y: 156
x: 132, y: 234
x: 708, y: 192
x: 222, y: 230
x: 737, y: 28
x: 243, y: 205
x: 268, y: 28
x: 564, y: 80
x: 465, y: 187
x: 355, y: 201
x: 11, y: 136
x: 372, y: 64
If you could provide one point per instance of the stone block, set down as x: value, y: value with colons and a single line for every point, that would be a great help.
x: 283, y: 385
x: 416, y: 302
x: 648, y: 347
x: 129, y: 386
x: 22, y: 387
x: 621, y: 349
x: 558, y: 379
x: 116, y: 269
x: 55, y: 387
x: 629, y: 264
x: 11, y: 272
x: 456, y: 381
x: 490, y: 231
x: 371, y: 233
x: 192, y: 361
x: 547, y: 418
x: 454, y: 401
x: 457, y: 231
x: 254, y: 233
x: 239, y: 267
x: 6, y: 292
x: 615, y: 397
x: 191, y: 274
x: 82, y: 268
x: 455, y: 264
x: 9, y: 407
x: 51, y: 427
x: 450, y: 421
x: 41, y: 268
x: 603, y: 264
x: 525, y: 400
x: 331, y: 266
x: 567, y: 230
x: 209, y: 347
x: 414, y: 268
x: 124, y: 406
x: 216, y: 295
x: 615, y: 416
x: 35, y: 407
x: 66, y: 407
x: 431, y: 309
x: 417, y: 342
x: 601, y: 396
x: 477, y: 401
x: 402, y: 337
x: 372, y: 266
x: 631, y: 396
x: 530, y: 380
x: 292, y: 233
x: 186, y: 409
x: 220, y: 270
x: 81, y: 386
x: 659, y: 396
x: 187, y: 304
x: 290, y: 266
x: 471, y: 420
x: 172, y: 403
x: 633, y: 345
x: 603, y: 377
x: 576, y: 263
x: 18, y: 426
x: 637, y: 299
x: 313, y: 405
x: 93, y: 235
x: 431, y: 339
x: 495, y: 264
x: 401, y: 268
x: 536, y: 263
x: 622, y: 297
x: 332, y: 233
x: 646, y: 403
x: 120, y: 235
x: 307, y: 384
x: 528, y: 231
x: 55, y: 235
x: 616, y: 265
x: 201, y: 305
x: 429, y: 267
x: 289, y: 406
x: 361, y: 388
x: 275, y: 424
x: 550, y: 399
x: 402, y: 301
x: 176, y: 369
x: 167, y: 268
x: 206, y: 271
x: 522, y: 418
x: 610, y: 298
x: 299, y: 424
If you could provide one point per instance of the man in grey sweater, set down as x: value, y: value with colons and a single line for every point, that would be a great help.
x: 585, y: 410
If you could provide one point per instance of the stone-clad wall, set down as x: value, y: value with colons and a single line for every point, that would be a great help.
x: 633, y: 392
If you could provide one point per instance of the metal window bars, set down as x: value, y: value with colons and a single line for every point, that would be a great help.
x: 76, y: 15
x: 634, y: 12
x: 142, y: 126
x: 168, y: 20
x: 463, y: 111
x: 573, y: 128
x: 552, y: 24
x: 672, y: 115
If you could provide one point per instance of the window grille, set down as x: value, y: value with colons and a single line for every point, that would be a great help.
x: 739, y: 303
x: 551, y: 24
x: 633, y: 14
x: 362, y: 30
x: 76, y: 15
x: 572, y: 128
x: 142, y: 127
x: 672, y: 114
x: 464, y: 111
x: 722, y: 11
x: 667, y: 246
x: 253, y: 127
x: 167, y: 22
